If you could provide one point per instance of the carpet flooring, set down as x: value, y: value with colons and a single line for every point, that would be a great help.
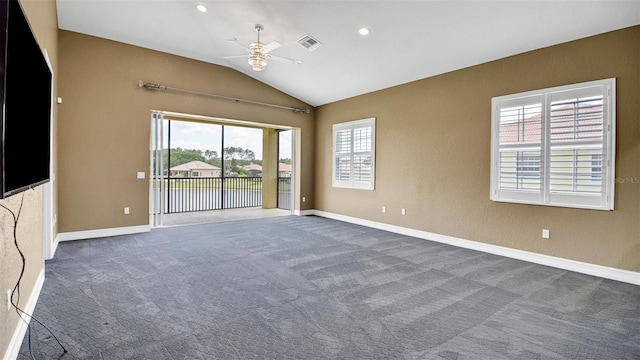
x: 314, y: 288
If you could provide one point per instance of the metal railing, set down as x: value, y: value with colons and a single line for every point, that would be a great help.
x: 284, y: 193
x: 211, y: 193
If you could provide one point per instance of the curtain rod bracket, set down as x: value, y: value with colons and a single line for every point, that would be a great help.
x: 158, y: 87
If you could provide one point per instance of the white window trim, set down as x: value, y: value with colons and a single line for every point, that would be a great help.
x: 352, y: 184
x: 544, y: 197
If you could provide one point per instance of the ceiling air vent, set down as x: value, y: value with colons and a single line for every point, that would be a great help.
x: 309, y: 43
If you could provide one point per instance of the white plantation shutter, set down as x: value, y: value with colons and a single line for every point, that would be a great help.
x: 577, y: 128
x: 353, y: 154
x: 342, y: 155
x: 555, y: 146
x: 520, y: 134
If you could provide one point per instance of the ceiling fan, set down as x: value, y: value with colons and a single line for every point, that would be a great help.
x: 258, y: 53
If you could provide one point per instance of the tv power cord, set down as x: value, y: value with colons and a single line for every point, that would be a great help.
x: 16, y: 289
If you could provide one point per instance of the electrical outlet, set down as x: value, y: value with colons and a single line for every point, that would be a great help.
x: 403, y: 212
x: 8, y: 299
x: 384, y: 209
x: 126, y: 211
x: 545, y: 233
x: 304, y: 199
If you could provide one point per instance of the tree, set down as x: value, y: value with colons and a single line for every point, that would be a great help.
x: 215, y: 162
x: 238, y: 153
x: 213, y: 158
x: 234, y: 156
x: 179, y: 156
x: 211, y: 155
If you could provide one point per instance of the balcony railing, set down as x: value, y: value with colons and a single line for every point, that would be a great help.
x: 216, y: 193
x: 284, y: 193
x: 211, y: 193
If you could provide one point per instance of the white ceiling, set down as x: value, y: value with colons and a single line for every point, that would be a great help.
x: 409, y: 40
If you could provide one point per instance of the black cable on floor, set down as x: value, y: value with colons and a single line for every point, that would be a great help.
x: 16, y: 288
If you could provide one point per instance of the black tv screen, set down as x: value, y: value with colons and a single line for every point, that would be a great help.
x: 26, y: 94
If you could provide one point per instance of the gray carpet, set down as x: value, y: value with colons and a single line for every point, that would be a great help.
x: 313, y: 288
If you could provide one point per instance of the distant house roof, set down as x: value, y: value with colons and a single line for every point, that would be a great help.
x: 194, y: 165
x: 568, y: 123
x: 281, y: 167
x: 252, y: 167
x: 284, y: 167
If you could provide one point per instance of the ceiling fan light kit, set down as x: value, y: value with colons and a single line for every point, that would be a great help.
x: 257, y: 55
x: 257, y: 61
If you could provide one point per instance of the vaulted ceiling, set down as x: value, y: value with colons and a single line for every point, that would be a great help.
x: 407, y: 40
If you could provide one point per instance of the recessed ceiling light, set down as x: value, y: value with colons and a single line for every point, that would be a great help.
x: 201, y: 8
x: 364, y: 31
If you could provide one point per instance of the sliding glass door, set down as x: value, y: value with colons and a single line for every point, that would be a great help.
x: 200, y: 166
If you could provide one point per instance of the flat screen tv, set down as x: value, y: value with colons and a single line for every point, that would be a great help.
x: 26, y: 97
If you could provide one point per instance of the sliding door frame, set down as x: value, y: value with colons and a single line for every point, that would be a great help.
x: 156, y: 171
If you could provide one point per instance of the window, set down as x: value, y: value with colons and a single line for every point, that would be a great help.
x: 555, y: 146
x: 353, y: 154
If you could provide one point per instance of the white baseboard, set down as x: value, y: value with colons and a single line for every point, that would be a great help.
x: 21, y: 329
x: 90, y: 234
x: 52, y: 249
x: 303, y: 212
x: 626, y: 276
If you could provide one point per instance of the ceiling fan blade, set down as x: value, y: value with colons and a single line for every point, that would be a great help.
x: 271, y: 46
x: 235, y: 41
x: 283, y: 59
x: 235, y: 56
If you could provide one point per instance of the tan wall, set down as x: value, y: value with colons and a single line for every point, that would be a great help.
x: 269, y: 169
x: 42, y: 18
x: 433, y: 146
x: 104, y: 123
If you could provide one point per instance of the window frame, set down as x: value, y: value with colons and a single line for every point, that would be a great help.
x: 351, y: 182
x: 549, y: 146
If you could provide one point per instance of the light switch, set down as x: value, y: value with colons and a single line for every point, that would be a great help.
x: 141, y: 174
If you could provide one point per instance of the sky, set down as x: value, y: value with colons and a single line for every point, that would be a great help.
x: 192, y: 135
